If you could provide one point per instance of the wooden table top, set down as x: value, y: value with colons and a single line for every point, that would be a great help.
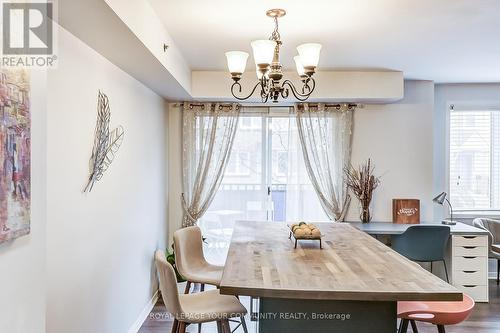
x: 351, y: 266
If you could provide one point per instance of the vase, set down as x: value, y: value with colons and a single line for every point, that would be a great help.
x: 364, y: 212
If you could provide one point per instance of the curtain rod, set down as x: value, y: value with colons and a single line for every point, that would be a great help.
x: 328, y: 105
x: 202, y: 104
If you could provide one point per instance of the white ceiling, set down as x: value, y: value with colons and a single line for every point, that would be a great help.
x: 440, y: 40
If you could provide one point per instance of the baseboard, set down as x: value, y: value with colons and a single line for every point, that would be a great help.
x: 136, y: 326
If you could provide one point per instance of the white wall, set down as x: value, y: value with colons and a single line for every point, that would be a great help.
x: 174, y: 170
x: 100, y: 272
x: 448, y: 94
x: 398, y: 139
x: 22, y: 261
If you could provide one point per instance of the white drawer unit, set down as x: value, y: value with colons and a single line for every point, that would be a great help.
x: 467, y: 278
x: 468, y: 251
x: 470, y: 265
x: 478, y: 293
x: 472, y: 240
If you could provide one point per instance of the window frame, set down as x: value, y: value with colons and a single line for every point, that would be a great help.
x: 465, y: 106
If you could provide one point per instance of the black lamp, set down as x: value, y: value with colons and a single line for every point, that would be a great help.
x: 440, y: 199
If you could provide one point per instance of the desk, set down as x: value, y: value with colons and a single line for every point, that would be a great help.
x: 301, y: 289
x: 467, y: 254
x: 388, y: 228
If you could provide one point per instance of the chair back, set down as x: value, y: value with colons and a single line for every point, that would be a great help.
x: 490, y: 225
x: 422, y: 242
x: 188, y: 248
x: 168, y: 284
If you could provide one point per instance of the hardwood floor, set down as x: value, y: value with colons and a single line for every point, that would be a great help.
x: 484, y: 319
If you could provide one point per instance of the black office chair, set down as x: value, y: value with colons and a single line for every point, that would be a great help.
x: 423, y: 243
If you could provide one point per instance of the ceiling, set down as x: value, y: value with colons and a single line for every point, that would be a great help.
x: 440, y: 40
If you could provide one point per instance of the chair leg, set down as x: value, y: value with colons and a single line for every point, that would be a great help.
x: 403, y: 326
x: 182, y: 327
x: 244, y: 324
x: 431, y: 266
x: 188, y: 287
x: 441, y: 329
x: 175, y: 324
x: 446, y: 271
x: 413, y: 326
x: 498, y: 271
x: 225, y: 326
x: 199, y: 328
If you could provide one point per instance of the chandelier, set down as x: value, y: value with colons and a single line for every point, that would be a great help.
x: 266, y: 54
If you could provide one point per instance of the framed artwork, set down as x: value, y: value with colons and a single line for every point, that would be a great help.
x: 15, y: 153
x: 406, y: 211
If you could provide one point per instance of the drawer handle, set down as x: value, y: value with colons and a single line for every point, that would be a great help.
x: 470, y: 247
x: 469, y: 237
x: 469, y: 272
x: 470, y: 285
x: 466, y: 257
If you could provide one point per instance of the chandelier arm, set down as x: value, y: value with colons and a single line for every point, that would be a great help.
x: 265, y: 89
x: 237, y: 84
x: 296, y: 94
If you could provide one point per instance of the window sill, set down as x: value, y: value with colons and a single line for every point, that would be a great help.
x: 477, y: 213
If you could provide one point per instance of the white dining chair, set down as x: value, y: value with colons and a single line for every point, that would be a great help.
x: 195, y: 308
x: 192, y: 265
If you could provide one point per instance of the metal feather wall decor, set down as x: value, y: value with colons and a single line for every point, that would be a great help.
x: 106, y: 142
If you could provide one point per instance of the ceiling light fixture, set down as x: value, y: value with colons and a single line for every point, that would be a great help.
x: 266, y: 54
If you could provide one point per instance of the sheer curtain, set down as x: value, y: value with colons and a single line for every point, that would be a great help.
x: 302, y: 203
x: 208, y: 135
x: 325, y: 139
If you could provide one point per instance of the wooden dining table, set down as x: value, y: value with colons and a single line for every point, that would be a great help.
x: 352, y: 285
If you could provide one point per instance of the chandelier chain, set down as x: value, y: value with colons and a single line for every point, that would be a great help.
x: 275, y: 34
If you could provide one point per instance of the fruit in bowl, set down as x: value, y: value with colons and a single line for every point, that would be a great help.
x: 303, y: 229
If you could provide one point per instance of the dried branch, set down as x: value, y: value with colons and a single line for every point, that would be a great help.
x: 362, y: 183
x: 106, y: 143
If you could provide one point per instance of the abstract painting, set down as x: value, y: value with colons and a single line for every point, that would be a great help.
x: 15, y: 153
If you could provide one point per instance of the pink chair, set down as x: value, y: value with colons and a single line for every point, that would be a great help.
x: 437, y: 313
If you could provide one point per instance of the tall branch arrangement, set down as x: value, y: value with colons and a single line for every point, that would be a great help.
x: 362, y: 183
x: 106, y: 142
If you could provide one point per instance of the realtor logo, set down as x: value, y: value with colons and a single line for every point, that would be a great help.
x: 28, y: 38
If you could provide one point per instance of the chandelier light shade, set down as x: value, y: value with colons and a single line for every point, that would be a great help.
x: 266, y: 54
x: 309, y: 54
x: 263, y: 51
x: 236, y: 61
x: 299, y: 67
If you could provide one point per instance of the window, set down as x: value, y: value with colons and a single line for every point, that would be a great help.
x: 475, y: 159
x: 239, y: 164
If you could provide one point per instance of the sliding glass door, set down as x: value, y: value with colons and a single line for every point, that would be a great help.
x: 265, y: 179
